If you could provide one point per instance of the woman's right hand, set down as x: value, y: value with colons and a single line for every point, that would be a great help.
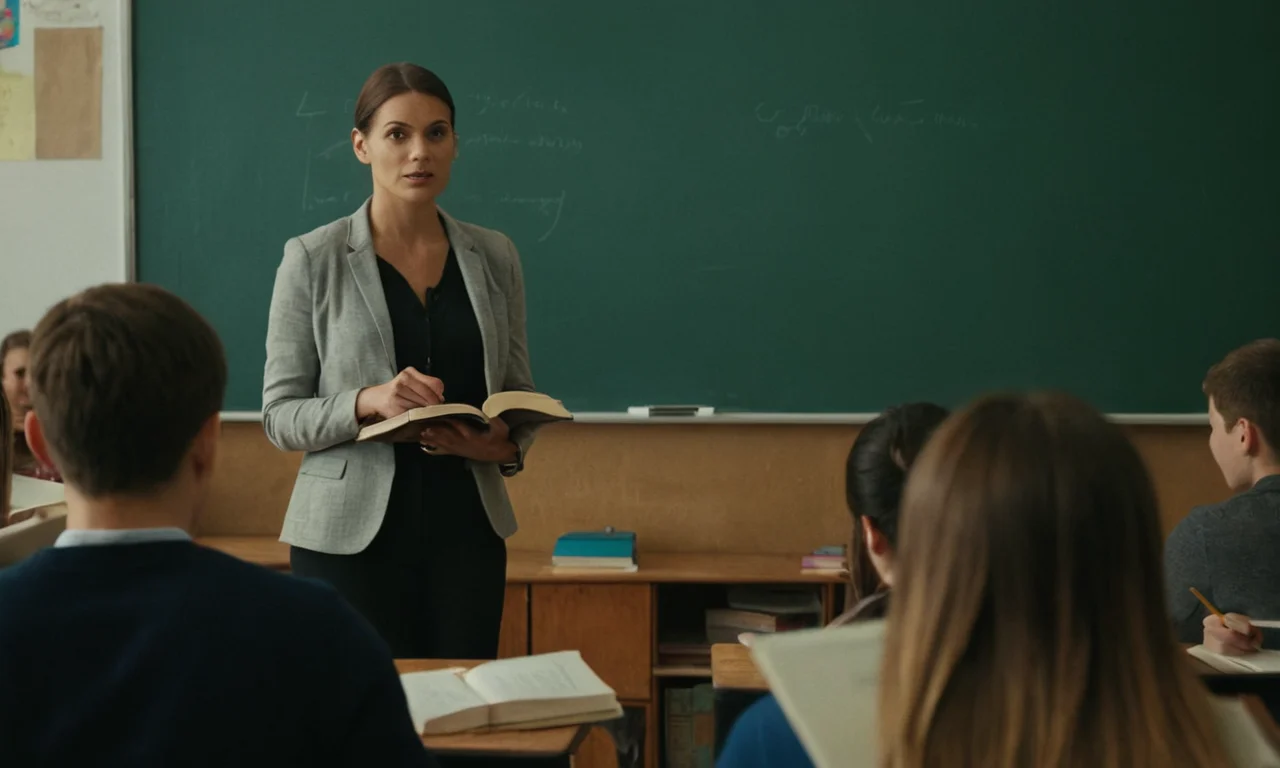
x: 409, y: 389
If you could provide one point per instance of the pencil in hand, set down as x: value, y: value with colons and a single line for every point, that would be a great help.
x: 1210, y: 606
x: 1236, y: 636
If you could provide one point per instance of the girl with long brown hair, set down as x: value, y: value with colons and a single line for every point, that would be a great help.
x: 1029, y: 624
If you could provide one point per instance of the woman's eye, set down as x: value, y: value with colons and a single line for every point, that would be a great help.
x: 439, y: 132
x: 395, y: 135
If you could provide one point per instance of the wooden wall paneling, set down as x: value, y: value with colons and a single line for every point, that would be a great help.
x: 682, y: 488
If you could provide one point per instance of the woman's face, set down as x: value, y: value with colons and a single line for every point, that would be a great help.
x: 410, y: 147
x: 15, y: 384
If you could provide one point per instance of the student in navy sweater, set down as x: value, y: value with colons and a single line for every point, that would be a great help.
x: 126, y: 644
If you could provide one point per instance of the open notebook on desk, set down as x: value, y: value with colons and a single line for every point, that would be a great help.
x: 1259, y: 662
x: 541, y: 691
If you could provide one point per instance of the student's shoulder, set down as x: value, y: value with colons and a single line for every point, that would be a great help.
x: 280, y: 594
x: 18, y: 582
x: 763, y: 736
x: 1226, y: 515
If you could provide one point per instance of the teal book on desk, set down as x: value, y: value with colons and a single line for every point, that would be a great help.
x: 607, y: 549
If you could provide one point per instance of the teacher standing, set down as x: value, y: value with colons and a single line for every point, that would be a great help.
x: 398, y: 306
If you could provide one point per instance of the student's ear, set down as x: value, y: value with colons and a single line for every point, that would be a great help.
x: 35, y: 438
x: 877, y: 542
x: 1251, y: 440
x: 204, y: 449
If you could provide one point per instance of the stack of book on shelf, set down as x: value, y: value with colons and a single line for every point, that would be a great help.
x: 684, y: 649
x: 606, y: 550
x: 825, y: 560
x: 690, y: 727
x: 524, y: 693
x: 763, y: 610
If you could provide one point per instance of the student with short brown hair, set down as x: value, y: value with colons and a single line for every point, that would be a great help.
x: 1028, y: 625
x: 1228, y: 550
x: 126, y: 643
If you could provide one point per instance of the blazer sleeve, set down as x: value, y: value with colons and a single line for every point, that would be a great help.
x: 519, y: 374
x: 293, y: 416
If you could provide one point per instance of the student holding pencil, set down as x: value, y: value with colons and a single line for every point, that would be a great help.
x: 1229, y: 550
x: 396, y: 306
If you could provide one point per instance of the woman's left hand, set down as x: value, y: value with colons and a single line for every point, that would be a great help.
x: 457, y: 438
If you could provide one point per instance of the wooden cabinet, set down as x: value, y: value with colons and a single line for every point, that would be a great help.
x: 608, y: 623
x: 513, y: 638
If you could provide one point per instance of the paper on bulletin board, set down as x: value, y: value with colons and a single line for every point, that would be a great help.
x: 64, y: 11
x: 10, y: 23
x: 17, y: 117
x: 68, y: 93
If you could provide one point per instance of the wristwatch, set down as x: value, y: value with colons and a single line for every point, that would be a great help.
x: 511, y: 469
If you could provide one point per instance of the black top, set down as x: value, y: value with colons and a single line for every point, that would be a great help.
x: 440, y: 339
x: 168, y: 653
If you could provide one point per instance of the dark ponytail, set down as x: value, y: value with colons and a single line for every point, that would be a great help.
x: 875, y: 473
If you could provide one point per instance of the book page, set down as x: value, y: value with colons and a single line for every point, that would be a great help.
x: 562, y: 675
x: 501, y: 402
x: 32, y: 492
x: 826, y: 681
x: 437, y: 693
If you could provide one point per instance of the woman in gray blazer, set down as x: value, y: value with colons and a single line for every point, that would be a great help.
x: 394, y: 307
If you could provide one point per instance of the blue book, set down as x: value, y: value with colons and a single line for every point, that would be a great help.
x: 596, y: 544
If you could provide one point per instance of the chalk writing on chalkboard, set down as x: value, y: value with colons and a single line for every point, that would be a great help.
x: 567, y: 144
x: 547, y: 206
x: 487, y: 102
x: 913, y: 115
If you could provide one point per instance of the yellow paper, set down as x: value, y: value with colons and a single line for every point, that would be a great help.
x: 17, y: 117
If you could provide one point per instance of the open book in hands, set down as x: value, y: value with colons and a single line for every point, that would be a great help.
x: 542, y: 691
x: 827, y: 683
x: 515, y: 408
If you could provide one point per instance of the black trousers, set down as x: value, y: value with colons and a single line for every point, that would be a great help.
x: 433, y: 579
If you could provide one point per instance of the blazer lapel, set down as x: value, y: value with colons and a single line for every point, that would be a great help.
x: 364, y: 268
x: 474, y: 274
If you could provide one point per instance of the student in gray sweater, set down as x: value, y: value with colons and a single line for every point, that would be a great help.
x: 1231, y: 551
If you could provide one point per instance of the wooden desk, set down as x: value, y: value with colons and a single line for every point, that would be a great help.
x: 535, y: 567
x: 616, y: 620
x: 536, y: 744
x: 267, y: 551
x: 733, y: 667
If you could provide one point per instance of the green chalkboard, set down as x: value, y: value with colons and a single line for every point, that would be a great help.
x: 812, y: 206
